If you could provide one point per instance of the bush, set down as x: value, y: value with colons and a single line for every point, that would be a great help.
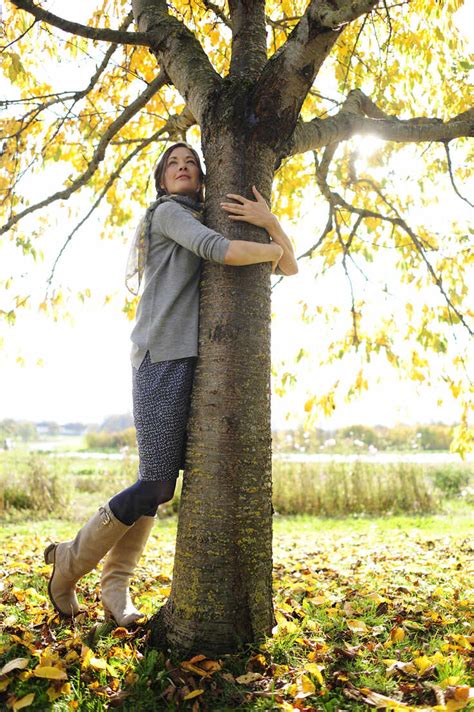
x: 451, y: 481
x: 38, y: 489
x: 435, y: 437
x: 336, y: 489
x: 111, y: 441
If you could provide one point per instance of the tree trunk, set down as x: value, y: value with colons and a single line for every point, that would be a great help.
x: 221, y: 594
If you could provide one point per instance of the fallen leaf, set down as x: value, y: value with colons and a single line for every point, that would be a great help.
x: 304, y: 687
x: 377, y: 700
x: 16, y: 664
x: 23, y: 702
x: 248, y: 678
x: 49, y: 672
x: 315, y: 670
x: 192, y: 694
x: 98, y: 663
x: 397, y: 634
x: 357, y: 626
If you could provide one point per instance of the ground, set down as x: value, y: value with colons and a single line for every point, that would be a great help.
x: 370, y: 613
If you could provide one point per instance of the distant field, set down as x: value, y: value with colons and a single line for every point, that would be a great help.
x: 66, y: 484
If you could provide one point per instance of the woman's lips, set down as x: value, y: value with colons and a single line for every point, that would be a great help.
x: 179, y: 178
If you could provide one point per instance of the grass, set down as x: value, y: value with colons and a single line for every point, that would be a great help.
x: 354, y: 598
x: 43, y: 484
x: 367, y: 603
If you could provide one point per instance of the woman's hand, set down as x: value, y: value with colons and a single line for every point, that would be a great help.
x: 255, y: 212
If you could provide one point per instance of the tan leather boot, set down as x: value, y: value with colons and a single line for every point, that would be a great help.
x: 73, y: 559
x: 119, y: 566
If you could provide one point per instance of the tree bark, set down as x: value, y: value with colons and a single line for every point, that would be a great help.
x: 221, y: 593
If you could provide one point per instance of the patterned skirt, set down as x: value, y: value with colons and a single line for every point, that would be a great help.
x: 161, y: 400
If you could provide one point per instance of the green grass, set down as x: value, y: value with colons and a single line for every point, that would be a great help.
x: 42, y: 484
x: 404, y: 578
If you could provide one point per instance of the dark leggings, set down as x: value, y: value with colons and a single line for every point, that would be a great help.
x: 141, y: 499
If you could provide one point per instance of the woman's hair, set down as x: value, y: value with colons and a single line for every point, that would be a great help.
x: 163, y: 162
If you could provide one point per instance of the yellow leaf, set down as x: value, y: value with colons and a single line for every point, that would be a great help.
x: 192, y: 694
x: 51, y: 673
x: 280, y: 670
x: 16, y: 664
x: 211, y: 665
x: 319, y: 600
x: 98, y: 663
x: 308, y: 406
x: 305, y: 687
x: 248, y: 678
x: 423, y: 663
x: 450, y: 681
x: 315, y: 670
x: 357, y: 626
x: 197, y: 658
x: 397, y: 634
x: 23, y: 702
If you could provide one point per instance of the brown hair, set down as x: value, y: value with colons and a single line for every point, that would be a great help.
x: 163, y: 162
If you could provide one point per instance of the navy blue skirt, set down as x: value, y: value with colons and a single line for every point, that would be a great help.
x: 161, y: 400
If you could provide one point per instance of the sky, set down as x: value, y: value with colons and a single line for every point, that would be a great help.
x: 79, y: 369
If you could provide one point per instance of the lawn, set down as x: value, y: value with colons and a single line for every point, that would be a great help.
x: 371, y: 613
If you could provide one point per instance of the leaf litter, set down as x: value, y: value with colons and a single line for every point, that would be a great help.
x: 363, y: 620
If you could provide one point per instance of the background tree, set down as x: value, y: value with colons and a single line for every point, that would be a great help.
x: 275, y: 91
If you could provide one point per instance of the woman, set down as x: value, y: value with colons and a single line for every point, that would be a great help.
x: 168, y: 248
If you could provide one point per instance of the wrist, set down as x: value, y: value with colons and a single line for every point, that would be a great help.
x: 272, y: 224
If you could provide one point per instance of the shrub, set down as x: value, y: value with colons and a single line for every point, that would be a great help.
x: 37, y: 489
x: 336, y: 489
x: 450, y: 480
x: 111, y: 441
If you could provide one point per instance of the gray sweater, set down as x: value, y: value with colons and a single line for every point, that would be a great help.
x: 168, y: 312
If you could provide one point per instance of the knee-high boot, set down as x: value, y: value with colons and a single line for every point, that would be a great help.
x: 119, y: 566
x: 73, y: 559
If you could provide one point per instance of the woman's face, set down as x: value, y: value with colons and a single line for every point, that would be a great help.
x: 181, y: 173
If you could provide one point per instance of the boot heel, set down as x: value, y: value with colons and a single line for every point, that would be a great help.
x: 49, y: 553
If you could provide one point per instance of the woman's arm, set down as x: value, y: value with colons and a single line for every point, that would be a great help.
x: 244, y: 252
x: 258, y: 213
x: 287, y: 264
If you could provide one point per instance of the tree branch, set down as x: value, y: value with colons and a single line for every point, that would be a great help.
x: 291, y: 71
x: 218, y: 12
x: 59, y: 98
x: 336, y: 199
x: 345, y: 251
x: 75, y: 28
x: 359, y: 115
x: 17, y: 39
x: 99, y: 152
x: 249, y: 38
x: 450, y: 169
x: 179, y: 54
x: 173, y: 124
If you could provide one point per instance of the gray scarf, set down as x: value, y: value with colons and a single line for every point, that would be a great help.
x: 138, y: 255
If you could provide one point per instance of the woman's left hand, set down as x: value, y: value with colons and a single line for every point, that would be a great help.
x: 255, y: 212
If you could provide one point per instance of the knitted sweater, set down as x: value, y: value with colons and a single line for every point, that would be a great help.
x: 168, y: 312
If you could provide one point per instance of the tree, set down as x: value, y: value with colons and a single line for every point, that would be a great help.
x: 259, y: 117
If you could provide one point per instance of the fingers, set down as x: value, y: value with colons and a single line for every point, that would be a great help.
x: 232, y: 206
x: 236, y: 196
x: 259, y: 195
